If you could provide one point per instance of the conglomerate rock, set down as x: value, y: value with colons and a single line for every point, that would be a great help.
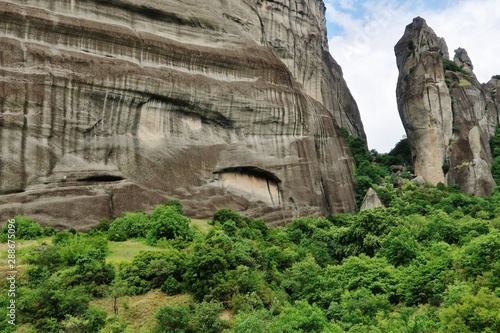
x: 447, y: 114
x: 108, y: 106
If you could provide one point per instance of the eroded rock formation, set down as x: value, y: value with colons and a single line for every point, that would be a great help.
x: 371, y: 200
x: 448, y: 115
x: 115, y: 105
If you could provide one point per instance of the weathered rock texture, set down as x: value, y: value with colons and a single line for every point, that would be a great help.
x: 371, y: 200
x: 448, y: 116
x: 115, y: 105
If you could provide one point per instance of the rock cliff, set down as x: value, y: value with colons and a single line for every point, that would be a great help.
x: 448, y: 115
x: 115, y: 105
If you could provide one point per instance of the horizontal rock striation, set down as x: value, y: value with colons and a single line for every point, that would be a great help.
x: 115, y: 105
x: 448, y: 115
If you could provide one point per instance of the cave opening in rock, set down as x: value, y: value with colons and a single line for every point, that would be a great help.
x: 253, y: 182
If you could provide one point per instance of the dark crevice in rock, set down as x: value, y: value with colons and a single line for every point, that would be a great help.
x: 5, y: 192
x: 101, y: 178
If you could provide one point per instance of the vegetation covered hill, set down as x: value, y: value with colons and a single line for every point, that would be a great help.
x: 429, y: 262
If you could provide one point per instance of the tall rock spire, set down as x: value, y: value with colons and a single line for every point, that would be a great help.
x: 423, y: 99
x: 448, y: 116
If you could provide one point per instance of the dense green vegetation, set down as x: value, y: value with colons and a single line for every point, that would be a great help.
x: 429, y: 262
x: 372, y: 169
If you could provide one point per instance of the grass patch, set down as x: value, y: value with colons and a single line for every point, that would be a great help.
x: 464, y: 83
x: 22, y: 247
x: 140, y: 310
x: 202, y: 224
x: 127, y: 250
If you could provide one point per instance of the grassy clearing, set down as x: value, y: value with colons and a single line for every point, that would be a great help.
x: 127, y: 250
x: 22, y: 247
x: 140, y: 310
x: 202, y: 224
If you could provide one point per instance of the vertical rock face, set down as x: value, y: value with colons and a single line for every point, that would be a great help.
x: 107, y: 106
x: 448, y: 116
x: 423, y: 99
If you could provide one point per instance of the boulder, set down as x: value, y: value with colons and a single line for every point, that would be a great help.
x: 371, y: 200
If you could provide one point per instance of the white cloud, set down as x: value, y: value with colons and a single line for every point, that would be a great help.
x: 366, y: 52
x: 344, y: 4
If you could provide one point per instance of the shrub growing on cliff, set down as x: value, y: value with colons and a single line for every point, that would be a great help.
x: 495, y: 151
x: 449, y: 65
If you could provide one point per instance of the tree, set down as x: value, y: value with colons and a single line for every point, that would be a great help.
x: 117, y: 289
x: 193, y: 318
x: 151, y: 269
x: 226, y: 214
x: 50, y: 303
x: 358, y: 307
x: 302, y: 280
x: 130, y: 225
x: 480, y: 254
x: 167, y: 223
x: 472, y: 313
x: 176, y: 204
x: 399, y: 247
x: 26, y: 228
x: 425, y: 279
x: 173, y: 319
x: 302, y: 317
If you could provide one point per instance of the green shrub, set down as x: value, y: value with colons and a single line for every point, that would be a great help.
x: 171, y: 286
x: 117, y: 236
x: 129, y: 225
x: 469, y: 312
x: 449, y: 65
x: 176, y: 204
x: 226, y: 214
x: 182, y: 318
x: 103, y: 225
x: 495, y: 151
x: 153, y: 269
x: 25, y: 228
x: 399, y: 247
x: 167, y: 223
x: 50, y: 303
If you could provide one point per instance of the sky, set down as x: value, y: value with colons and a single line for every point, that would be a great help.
x: 362, y: 35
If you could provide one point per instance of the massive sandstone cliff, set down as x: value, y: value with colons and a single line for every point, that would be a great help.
x: 115, y: 105
x: 448, y: 115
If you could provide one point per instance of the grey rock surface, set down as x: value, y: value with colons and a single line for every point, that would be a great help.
x: 109, y: 106
x: 447, y: 114
x: 371, y: 200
